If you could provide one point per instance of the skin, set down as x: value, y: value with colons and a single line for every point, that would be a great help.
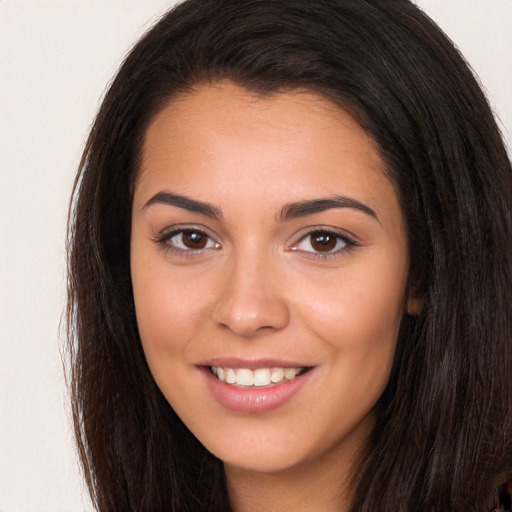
x: 261, y: 289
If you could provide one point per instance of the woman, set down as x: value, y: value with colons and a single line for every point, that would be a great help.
x: 290, y: 282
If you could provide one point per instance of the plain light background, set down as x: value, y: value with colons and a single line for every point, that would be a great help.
x: 56, y: 58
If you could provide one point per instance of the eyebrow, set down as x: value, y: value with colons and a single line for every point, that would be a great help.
x: 309, y: 207
x: 289, y: 211
x: 187, y: 203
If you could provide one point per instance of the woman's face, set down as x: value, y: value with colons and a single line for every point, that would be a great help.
x: 269, y: 268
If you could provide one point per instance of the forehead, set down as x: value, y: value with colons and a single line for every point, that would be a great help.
x: 224, y: 108
x: 296, y: 141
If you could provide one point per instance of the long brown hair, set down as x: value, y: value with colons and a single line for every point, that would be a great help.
x: 444, y: 436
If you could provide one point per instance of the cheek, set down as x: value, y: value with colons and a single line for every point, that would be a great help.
x: 165, y: 323
x: 358, y: 315
x: 167, y: 307
x: 358, y: 318
x: 366, y: 306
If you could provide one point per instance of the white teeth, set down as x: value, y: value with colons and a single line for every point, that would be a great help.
x: 290, y: 373
x: 277, y: 374
x: 259, y: 377
x: 230, y: 376
x: 244, y: 377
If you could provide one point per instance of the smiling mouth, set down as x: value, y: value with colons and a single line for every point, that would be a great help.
x: 257, y: 378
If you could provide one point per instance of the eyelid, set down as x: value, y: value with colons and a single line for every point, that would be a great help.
x: 163, y: 236
x: 349, y: 240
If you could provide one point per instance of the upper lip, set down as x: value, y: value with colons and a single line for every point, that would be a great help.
x: 251, y: 364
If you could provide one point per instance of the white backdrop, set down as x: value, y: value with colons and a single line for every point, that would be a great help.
x: 56, y: 57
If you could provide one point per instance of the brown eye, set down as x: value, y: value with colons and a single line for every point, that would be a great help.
x: 194, y: 239
x: 323, y: 242
x: 188, y: 241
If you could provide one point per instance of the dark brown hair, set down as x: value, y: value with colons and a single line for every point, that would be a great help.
x: 443, y: 439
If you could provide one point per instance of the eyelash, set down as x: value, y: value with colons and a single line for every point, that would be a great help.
x: 165, y: 239
x: 326, y: 233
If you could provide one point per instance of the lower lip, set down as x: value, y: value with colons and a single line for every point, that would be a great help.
x: 254, y: 399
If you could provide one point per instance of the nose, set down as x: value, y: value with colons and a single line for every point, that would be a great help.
x: 250, y: 300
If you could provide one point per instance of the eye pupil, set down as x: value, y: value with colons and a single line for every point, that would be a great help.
x: 194, y: 240
x: 323, y: 242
